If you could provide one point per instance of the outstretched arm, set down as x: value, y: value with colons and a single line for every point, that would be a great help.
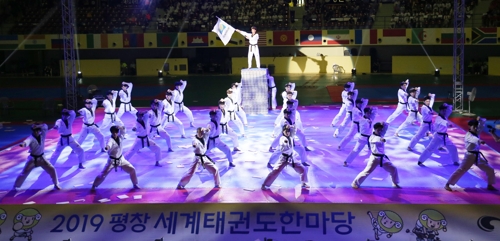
x: 184, y: 84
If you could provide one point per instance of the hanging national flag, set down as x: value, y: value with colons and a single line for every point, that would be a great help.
x: 223, y: 30
x: 283, y: 38
x: 57, y: 43
x: 197, y: 39
x: 447, y: 36
x: 310, y: 37
x: 395, y: 36
x: 34, y: 42
x: 9, y: 41
x: 484, y: 35
x: 166, y: 39
x: 97, y: 41
x: 417, y: 36
x: 336, y: 37
x: 133, y: 40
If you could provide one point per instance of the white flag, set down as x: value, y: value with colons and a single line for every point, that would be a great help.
x: 223, y: 30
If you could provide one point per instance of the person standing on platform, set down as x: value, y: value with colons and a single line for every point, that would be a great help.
x: 110, y: 117
x: 347, y: 88
x: 125, y: 98
x: 143, y: 140
x: 426, y: 126
x: 178, y: 97
x: 36, y: 143
x: 253, y: 48
x: 357, y: 115
x: 365, y: 131
x: 169, y: 111
x: 473, y: 156
x: 413, y: 114
x: 236, y: 96
x: 65, y: 128
x: 88, y: 113
x: 271, y: 87
x: 217, y: 128
x: 200, y: 143
x: 378, y: 157
x: 402, y: 101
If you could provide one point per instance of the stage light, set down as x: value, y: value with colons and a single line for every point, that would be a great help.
x: 79, y: 74
x: 353, y: 71
x: 436, y: 73
x: 160, y: 73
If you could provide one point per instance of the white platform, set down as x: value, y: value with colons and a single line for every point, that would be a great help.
x: 254, y: 90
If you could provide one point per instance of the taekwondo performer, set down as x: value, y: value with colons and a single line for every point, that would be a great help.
x: 289, y: 96
x: 413, y: 114
x: 114, y: 147
x: 216, y: 127
x: 365, y: 131
x: 36, y: 143
x: 440, y: 137
x: 290, y: 120
x: 125, y: 98
x: 402, y: 101
x: 253, y: 49
x: 155, y: 116
x: 350, y: 104
x: 236, y: 96
x: 110, y: 117
x: 143, y: 140
x: 473, y: 156
x: 178, y: 97
x: 231, y: 109
x: 224, y: 124
x: 426, y: 125
x: 65, y: 128
x: 271, y: 87
x: 286, y: 158
x: 357, y: 115
x: 88, y: 113
x: 169, y: 110
x: 378, y: 157
x: 200, y: 143
x: 347, y: 88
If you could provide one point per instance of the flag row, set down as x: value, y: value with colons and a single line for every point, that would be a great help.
x: 425, y: 36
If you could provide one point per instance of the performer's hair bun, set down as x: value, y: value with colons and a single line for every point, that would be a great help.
x: 109, y: 92
x: 125, y: 85
x: 253, y: 27
x: 177, y: 83
x: 427, y: 98
x: 114, y: 129
x: 473, y: 123
x: 347, y: 86
x: 212, y: 112
x: 65, y: 112
x: 378, y: 125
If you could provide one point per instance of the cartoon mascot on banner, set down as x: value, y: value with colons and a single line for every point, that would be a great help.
x: 3, y: 216
x: 24, y: 222
x: 387, y: 222
x: 428, y: 224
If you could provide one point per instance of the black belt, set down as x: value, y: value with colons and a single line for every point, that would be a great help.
x: 251, y: 47
x: 168, y: 117
x: 416, y: 113
x: 368, y: 139
x: 477, y: 153
x: 36, y: 158
x: 381, y: 158
x: 445, y: 135
x: 357, y: 124
x: 129, y: 106
x: 156, y: 126
x: 288, y: 157
x: 201, y: 159
x: 115, y: 162
x: 406, y: 104
x: 113, y: 119
x: 237, y: 107
x: 430, y: 124
x: 211, y: 139
x: 89, y: 125
x: 232, y: 113
x: 350, y: 114
x: 67, y: 139
x: 180, y: 106
x: 224, y: 128
x: 142, y: 140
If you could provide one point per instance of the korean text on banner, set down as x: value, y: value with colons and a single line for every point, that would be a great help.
x: 223, y: 30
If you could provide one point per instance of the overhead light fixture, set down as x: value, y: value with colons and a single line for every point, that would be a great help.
x: 79, y: 74
x: 353, y: 71
x: 436, y: 73
x: 160, y: 73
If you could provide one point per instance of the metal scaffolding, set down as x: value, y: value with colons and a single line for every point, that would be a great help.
x: 458, y: 55
x: 68, y: 36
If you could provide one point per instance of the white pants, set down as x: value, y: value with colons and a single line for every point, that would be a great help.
x: 360, y: 144
x: 144, y: 142
x: 339, y: 115
x: 207, y: 164
x: 412, y: 116
x: 467, y: 162
x: 111, y: 120
x: 422, y: 130
x: 237, y: 121
x: 273, y: 98
x: 436, y: 142
x: 217, y: 143
x: 32, y: 163
x: 353, y: 130
x: 396, y: 113
x: 347, y: 119
x: 172, y: 118
x: 241, y: 113
x: 126, y: 108
x: 298, y: 150
x: 184, y: 110
x: 283, y: 162
x: 231, y: 134
x: 372, y: 164
x: 298, y: 133
x: 162, y: 133
x: 120, y: 164
x: 65, y: 142
x: 94, y: 130
x: 253, y: 51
